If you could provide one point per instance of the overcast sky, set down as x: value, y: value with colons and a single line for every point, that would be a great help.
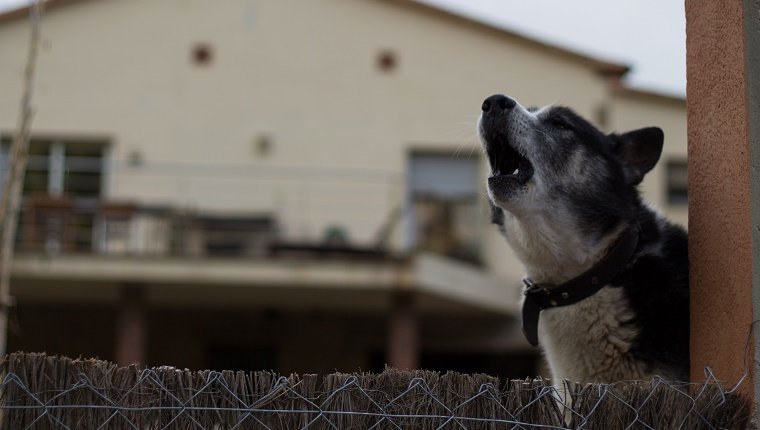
x: 648, y: 35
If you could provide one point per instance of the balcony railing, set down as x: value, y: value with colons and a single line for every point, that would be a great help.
x: 68, y: 225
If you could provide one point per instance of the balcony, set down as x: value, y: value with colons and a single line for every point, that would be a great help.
x: 55, y: 226
x: 94, y: 247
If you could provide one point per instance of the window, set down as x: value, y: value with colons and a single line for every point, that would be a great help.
x: 62, y: 187
x: 60, y: 167
x: 677, y: 182
x: 444, y: 205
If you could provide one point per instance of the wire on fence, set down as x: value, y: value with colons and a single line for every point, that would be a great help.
x: 44, y: 392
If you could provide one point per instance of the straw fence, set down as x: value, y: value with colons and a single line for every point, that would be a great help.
x: 45, y: 392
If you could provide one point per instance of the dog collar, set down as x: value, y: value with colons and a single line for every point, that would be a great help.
x: 541, y: 296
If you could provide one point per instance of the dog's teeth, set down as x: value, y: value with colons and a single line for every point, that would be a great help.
x: 516, y: 171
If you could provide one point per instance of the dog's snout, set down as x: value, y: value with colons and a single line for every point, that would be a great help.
x: 497, y: 104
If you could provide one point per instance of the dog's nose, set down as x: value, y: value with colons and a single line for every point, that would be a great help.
x: 497, y: 104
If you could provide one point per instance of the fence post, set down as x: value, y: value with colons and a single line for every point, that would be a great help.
x: 724, y: 200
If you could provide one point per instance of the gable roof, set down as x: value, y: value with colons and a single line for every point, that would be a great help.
x: 603, y: 67
x: 22, y: 12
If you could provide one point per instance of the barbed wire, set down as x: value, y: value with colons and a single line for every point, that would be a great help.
x: 41, y: 392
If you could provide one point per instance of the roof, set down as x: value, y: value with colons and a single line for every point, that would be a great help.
x: 24, y: 11
x: 603, y: 67
x: 606, y: 68
x: 652, y: 95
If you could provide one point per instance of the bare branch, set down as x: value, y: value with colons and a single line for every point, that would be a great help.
x: 19, y: 154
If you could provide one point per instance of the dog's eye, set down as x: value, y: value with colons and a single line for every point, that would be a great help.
x: 561, y: 124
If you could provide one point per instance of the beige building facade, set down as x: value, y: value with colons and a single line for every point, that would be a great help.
x: 293, y: 185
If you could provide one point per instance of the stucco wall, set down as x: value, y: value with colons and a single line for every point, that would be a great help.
x: 304, y: 76
x: 752, y: 40
x: 720, y: 246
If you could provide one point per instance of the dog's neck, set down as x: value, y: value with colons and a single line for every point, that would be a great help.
x: 554, y: 252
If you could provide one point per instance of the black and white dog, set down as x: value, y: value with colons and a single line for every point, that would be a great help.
x: 607, y: 288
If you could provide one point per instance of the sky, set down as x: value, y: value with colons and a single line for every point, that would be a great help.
x: 648, y: 35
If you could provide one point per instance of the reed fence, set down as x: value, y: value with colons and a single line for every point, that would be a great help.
x: 45, y: 392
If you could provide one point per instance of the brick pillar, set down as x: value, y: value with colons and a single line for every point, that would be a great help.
x: 720, y: 189
x: 403, y: 332
x: 131, y: 326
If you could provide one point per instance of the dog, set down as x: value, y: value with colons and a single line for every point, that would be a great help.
x: 606, y: 295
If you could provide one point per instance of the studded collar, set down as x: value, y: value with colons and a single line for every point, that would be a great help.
x: 543, y: 296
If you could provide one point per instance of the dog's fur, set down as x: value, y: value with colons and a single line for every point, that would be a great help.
x: 561, y: 192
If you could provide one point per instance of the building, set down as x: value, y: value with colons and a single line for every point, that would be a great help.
x: 281, y: 184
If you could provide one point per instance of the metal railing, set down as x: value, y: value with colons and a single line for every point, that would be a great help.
x: 88, y: 226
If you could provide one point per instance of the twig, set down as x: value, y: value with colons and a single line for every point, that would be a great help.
x: 11, y: 202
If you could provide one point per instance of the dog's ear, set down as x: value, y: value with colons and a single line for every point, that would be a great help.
x: 638, y: 152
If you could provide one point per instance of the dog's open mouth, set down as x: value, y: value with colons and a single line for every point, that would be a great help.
x: 508, y: 165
